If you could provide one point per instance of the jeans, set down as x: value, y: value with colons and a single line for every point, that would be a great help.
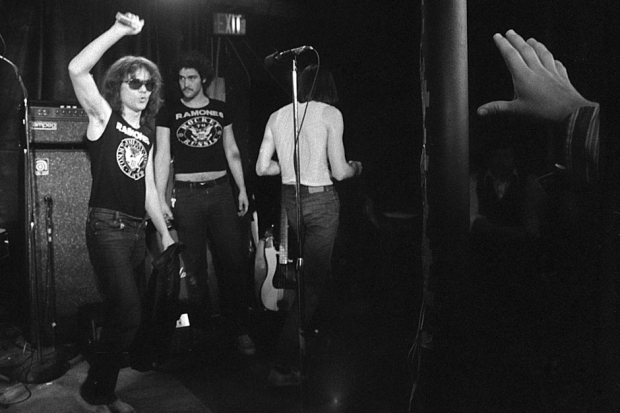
x: 320, y: 219
x: 210, y: 211
x: 116, y: 246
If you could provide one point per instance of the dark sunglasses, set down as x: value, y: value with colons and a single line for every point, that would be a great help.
x: 136, y: 84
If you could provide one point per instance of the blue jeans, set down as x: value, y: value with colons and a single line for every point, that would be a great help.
x: 200, y: 213
x: 116, y: 246
x: 320, y: 219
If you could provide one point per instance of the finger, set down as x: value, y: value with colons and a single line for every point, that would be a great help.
x: 512, y: 57
x: 563, y: 73
x: 495, y: 108
x: 525, y: 51
x: 544, y: 55
x: 561, y: 69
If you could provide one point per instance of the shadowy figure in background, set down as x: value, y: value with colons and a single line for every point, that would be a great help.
x: 506, y: 202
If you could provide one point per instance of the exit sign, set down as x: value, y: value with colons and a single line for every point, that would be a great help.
x: 231, y: 24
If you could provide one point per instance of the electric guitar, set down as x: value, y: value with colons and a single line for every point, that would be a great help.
x: 278, y: 289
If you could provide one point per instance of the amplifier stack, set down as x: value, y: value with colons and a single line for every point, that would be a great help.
x: 62, y: 183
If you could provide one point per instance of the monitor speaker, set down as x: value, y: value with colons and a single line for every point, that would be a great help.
x: 62, y: 186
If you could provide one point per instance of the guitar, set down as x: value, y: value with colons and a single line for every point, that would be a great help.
x: 278, y: 289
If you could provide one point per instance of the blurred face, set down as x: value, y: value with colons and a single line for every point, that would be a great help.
x: 190, y: 83
x: 136, y: 90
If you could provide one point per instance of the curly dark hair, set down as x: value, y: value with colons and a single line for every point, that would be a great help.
x: 194, y: 60
x: 118, y: 72
x: 320, y: 87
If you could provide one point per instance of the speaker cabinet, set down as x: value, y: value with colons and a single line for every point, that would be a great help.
x: 62, y: 186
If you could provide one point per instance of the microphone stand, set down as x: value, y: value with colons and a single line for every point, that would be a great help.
x: 31, y: 223
x: 44, y: 370
x: 300, y: 261
x: 51, y: 282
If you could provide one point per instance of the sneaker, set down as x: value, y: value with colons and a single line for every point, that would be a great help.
x: 280, y: 378
x: 119, y: 406
x: 91, y: 408
x: 245, y: 345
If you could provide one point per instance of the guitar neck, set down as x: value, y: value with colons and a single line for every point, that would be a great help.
x: 283, y: 250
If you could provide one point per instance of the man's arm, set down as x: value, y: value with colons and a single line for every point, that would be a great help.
x: 162, y: 169
x: 581, y: 154
x: 340, y: 168
x: 153, y: 207
x: 265, y: 165
x: 86, y: 91
x: 542, y: 90
x: 233, y: 156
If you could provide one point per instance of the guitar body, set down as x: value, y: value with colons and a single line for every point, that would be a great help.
x: 278, y: 289
x: 268, y: 293
x: 260, y: 270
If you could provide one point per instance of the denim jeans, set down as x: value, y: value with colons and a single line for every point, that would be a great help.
x: 320, y: 219
x: 116, y: 246
x: 200, y: 213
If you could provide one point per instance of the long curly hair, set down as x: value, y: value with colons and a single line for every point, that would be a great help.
x: 118, y: 72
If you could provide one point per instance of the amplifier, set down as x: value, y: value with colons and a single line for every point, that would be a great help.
x: 56, y: 123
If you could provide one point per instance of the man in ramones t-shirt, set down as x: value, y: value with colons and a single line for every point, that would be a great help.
x: 196, y: 134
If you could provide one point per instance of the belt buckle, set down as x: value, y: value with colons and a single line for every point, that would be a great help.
x: 315, y: 189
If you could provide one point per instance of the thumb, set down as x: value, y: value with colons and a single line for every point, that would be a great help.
x: 494, y: 108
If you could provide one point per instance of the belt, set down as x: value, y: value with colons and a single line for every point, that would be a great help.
x: 203, y: 184
x: 311, y: 189
x: 115, y: 214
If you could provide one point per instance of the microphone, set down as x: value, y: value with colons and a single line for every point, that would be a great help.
x: 124, y: 19
x: 278, y: 57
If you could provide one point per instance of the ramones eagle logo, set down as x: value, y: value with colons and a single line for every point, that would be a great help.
x: 131, y: 157
x: 199, y: 132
